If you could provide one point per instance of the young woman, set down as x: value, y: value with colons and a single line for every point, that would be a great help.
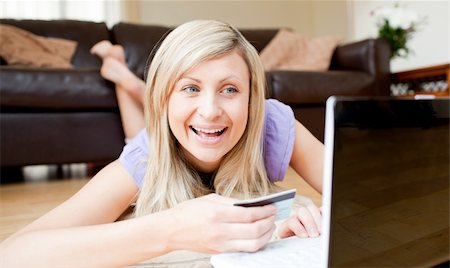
x: 210, y: 137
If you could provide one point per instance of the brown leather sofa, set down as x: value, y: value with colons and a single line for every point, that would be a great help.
x: 55, y: 116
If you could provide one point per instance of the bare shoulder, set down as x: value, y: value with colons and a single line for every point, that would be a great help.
x: 103, y: 199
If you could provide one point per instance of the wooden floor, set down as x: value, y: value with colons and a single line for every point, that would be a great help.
x: 21, y: 203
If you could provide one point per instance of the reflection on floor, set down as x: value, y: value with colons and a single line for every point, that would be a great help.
x: 47, y: 172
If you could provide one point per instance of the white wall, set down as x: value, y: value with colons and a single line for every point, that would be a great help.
x: 430, y: 45
x: 241, y: 14
x: 330, y: 18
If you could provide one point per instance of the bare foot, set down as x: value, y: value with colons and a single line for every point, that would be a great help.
x: 117, y: 72
x: 117, y: 52
x: 101, y: 48
x: 105, y: 49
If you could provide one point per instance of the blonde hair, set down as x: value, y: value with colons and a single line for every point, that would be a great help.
x: 169, y: 178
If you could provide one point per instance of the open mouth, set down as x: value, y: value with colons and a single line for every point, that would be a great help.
x: 208, y: 133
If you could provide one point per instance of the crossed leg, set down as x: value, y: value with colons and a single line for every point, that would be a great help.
x: 129, y: 88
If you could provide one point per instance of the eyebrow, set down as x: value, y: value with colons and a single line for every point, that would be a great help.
x: 224, y: 79
x: 190, y: 78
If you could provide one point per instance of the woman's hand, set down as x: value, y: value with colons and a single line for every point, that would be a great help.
x: 211, y: 224
x: 306, y: 221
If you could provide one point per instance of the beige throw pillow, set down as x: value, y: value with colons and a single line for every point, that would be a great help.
x: 292, y: 51
x: 20, y: 47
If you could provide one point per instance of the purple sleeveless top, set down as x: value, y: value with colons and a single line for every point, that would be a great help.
x: 279, y: 134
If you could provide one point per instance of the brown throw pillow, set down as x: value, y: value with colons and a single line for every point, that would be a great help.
x: 20, y: 47
x: 292, y: 51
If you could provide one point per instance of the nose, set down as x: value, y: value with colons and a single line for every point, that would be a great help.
x: 209, y: 107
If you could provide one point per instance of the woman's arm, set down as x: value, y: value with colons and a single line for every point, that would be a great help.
x: 307, y: 161
x: 81, y: 232
x: 307, y: 157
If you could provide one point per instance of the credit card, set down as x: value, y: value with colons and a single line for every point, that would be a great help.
x: 282, y: 200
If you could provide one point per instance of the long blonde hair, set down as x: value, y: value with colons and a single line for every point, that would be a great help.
x: 169, y: 178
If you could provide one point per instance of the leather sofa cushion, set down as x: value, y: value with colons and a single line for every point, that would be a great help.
x: 293, y: 87
x: 61, y: 89
x: 86, y: 34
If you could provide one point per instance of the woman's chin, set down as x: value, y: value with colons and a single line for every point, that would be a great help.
x: 207, y: 162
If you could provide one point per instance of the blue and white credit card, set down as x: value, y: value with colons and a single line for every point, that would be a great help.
x: 282, y: 200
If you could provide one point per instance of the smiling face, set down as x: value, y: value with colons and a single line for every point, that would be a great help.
x: 208, y: 109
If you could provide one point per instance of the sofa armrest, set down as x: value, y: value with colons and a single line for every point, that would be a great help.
x: 313, y: 88
x: 371, y: 56
x: 361, y: 56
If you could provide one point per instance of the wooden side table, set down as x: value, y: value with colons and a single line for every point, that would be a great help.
x: 434, y: 80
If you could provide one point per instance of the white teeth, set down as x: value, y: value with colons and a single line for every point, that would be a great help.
x: 209, y: 131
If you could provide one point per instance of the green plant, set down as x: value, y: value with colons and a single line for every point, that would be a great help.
x: 397, y: 25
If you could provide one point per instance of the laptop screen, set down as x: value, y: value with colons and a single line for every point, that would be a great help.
x: 390, y: 189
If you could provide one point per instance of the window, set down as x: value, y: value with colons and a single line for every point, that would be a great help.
x: 94, y: 10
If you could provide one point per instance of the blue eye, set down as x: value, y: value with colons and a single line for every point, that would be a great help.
x: 230, y: 90
x: 190, y: 89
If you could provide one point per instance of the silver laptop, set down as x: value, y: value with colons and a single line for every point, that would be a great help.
x: 385, y: 191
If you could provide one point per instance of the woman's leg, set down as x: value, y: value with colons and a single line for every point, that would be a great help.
x: 119, y: 73
x: 115, y: 69
x: 129, y: 88
x: 131, y: 113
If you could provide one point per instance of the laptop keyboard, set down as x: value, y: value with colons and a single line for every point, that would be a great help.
x: 291, y: 252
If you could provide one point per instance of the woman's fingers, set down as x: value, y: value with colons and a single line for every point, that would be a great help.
x: 292, y: 226
x: 237, y: 214
x: 306, y: 222
x: 310, y: 218
x: 213, y: 224
x: 249, y: 230
x: 316, y: 213
x: 249, y: 245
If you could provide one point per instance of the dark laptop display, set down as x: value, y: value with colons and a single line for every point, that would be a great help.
x: 390, y: 197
